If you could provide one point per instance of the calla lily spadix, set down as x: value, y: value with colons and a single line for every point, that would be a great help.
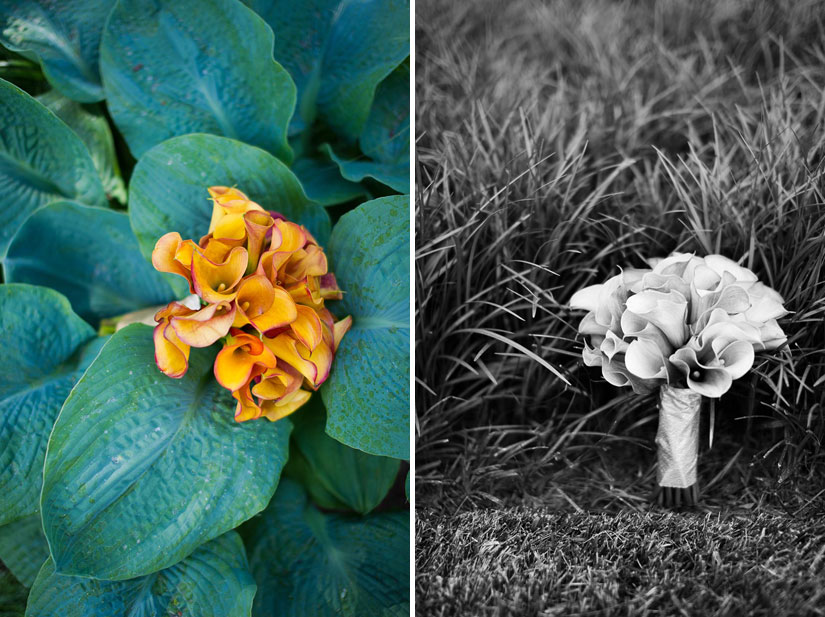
x: 688, y: 325
x: 260, y: 283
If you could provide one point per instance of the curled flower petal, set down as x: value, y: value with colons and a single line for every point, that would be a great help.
x: 708, y: 380
x: 281, y: 408
x: 171, y: 354
x: 587, y: 299
x: 247, y: 408
x: 309, y: 261
x: 228, y: 208
x: 257, y: 225
x: 737, y: 358
x: 666, y: 311
x: 264, y: 306
x: 644, y: 359
x: 721, y: 265
x: 339, y: 330
x: 243, y: 357
x: 307, y: 327
x: 164, y: 255
x: 612, y: 345
x: 765, y: 303
x: 203, y: 328
x: 313, y: 365
x: 329, y: 289
x: 216, y: 282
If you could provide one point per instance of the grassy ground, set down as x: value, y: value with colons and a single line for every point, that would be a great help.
x: 557, y: 141
x: 536, y: 563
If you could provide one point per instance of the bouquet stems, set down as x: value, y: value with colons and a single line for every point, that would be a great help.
x: 677, y: 447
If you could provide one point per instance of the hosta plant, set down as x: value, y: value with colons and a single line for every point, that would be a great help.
x: 204, y: 390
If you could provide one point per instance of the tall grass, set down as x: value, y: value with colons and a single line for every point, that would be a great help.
x: 558, y: 141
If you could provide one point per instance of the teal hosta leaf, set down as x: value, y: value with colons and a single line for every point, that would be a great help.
x: 323, y: 183
x: 12, y: 595
x: 23, y: 548
x: 337, y: 52
x: 93, y: 259
x: 168, y: 188
x: 385, y: 142
x: 41, y: 160
x: 142, y: 469
x: 214, y: 581
x: 172, y: 67
x: 65, y: 36
x: 309, y: 563
x: 367, y: 393
x: 46, y: 348
x: 94, y: 130
x: 351, y: 478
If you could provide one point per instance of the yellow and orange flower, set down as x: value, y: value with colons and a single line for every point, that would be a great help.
x: 262, y: 282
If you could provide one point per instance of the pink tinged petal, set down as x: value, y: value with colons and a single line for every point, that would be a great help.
x: 587, y: 298
x: 645, y: 359
x: 737, y: 358
x: 206, y: 326
x: 339, y: 329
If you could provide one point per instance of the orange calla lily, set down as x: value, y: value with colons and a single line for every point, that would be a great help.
x: 263, y: 281
x: 218, y: 282
x: 228, y: 208
x: 243, y: 357
x: 264, y: 306
x: 204, y: 327
x: 171, y: 354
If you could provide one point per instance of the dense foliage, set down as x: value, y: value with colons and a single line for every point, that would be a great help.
x: 564, y: 140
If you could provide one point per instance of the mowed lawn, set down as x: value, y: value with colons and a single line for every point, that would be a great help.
x: 531, y: 562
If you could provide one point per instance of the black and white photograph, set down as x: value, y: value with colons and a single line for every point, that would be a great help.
x: 619, y: 307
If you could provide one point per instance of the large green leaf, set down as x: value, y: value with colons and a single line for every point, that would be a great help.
x: 94, y: 130
x: 337, y: 51
x: 307, y: 563
x: 92, y: 258
x: 12, y: 595
x: 346, y: 477
x: 141, y: 469
x: 385, y: 142
x: 23, y: 548
x: 323, y: 183
x: 46, y: 348
x: 41, y: 160
x: 168, y: 188
x: 214, y: 581
x: 367, y: 394
x: 172, y: 67
x: 64, y: 35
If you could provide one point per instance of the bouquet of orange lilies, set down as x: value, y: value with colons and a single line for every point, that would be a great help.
x: 259, y: 284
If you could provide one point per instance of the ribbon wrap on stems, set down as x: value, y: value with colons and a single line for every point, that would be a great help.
x: 677, y: 439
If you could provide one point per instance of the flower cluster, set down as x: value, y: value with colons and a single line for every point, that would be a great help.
x: 260, y: 283
x: 687, y: 321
